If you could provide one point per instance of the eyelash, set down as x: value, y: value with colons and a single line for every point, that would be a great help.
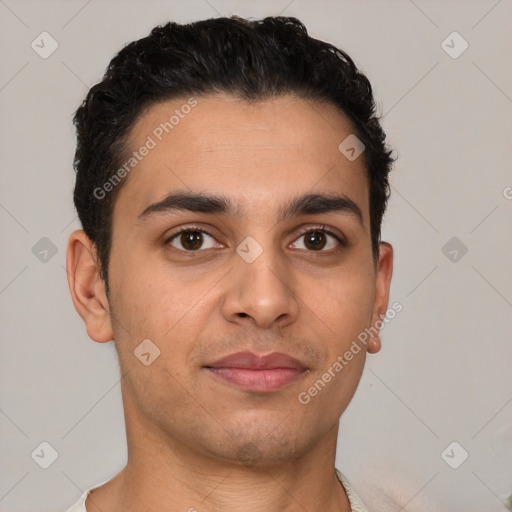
x: 309, y: 229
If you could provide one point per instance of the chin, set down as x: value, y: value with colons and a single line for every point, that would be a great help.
x: 262, y: 450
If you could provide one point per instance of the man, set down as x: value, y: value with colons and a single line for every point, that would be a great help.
x: 231, y: 182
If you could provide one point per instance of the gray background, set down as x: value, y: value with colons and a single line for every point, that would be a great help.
x: 443, y: 374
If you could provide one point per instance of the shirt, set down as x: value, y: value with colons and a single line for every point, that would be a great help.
x: 356, y: 505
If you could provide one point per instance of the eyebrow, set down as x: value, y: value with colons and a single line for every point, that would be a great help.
x: 307, y: 204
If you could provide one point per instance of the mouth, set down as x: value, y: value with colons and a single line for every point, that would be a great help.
x: 258, y: 373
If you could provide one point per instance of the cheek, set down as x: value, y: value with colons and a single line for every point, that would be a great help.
x: 158, y: 303
x: 345, y: 304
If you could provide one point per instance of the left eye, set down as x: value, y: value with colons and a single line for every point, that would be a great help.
x: 317, y: 240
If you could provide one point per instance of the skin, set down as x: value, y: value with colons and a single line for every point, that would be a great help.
x: 193, y: 439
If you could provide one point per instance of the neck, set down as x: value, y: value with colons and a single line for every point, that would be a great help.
x: 167, y: 475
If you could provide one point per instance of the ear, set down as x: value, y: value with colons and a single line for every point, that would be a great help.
x: 87, y: 288
x: 382, y: 285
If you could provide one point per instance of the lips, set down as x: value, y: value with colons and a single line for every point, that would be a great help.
x: 258, y: 373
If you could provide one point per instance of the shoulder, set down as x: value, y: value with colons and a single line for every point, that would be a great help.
x: 79, y: 506
x: 355, y: 501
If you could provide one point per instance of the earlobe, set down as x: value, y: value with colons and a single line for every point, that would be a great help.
x: 382, y: 286
x: 87, y: 288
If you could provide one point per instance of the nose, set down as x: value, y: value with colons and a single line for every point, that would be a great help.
x: 261, y: 292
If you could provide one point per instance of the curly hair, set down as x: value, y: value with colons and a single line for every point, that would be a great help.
x: 250, y: 59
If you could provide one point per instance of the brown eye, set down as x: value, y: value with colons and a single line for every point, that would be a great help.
x: 315, y: 240
x: 318, y: 240
x: 191, y: 240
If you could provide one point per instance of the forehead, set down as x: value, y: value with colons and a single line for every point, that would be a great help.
x: 258, y: 152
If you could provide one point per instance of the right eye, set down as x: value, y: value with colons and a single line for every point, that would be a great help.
x: 191, y: 240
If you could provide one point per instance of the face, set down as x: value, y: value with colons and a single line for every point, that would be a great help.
x: 257, y: 270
